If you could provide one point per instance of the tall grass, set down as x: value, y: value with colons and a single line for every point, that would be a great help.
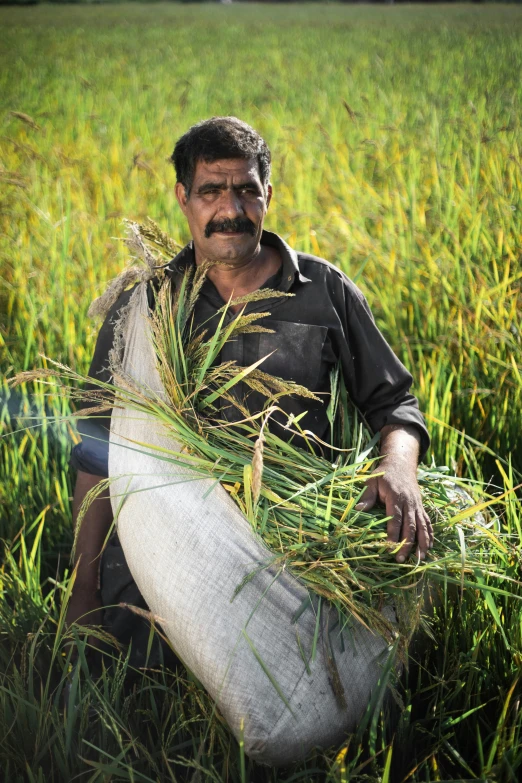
x: 396, y: 138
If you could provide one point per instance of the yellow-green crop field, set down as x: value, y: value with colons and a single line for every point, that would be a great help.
x: 396, y: 135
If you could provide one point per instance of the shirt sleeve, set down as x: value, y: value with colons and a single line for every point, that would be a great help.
x: 376, y: 380
x: 91, y: 455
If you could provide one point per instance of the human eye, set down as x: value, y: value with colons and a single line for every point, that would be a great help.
x: 249, y: 190
x: 210, y: 192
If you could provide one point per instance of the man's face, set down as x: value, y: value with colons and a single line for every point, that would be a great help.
x: 225, y: 209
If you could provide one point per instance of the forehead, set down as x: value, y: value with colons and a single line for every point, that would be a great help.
x: 236, y: 169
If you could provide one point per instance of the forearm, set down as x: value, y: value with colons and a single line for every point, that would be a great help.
x: 93, y: 531
x: 400, y: 443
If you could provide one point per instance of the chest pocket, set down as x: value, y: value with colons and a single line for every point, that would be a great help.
x: 297, y: 352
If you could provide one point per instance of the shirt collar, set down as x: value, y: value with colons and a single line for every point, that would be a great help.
x: 289, y: 271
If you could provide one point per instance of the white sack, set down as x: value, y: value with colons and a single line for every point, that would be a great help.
x: 188, y: 547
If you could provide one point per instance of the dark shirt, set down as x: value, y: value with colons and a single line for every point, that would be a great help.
x: 326, y: 321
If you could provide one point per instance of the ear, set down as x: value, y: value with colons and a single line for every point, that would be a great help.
x: 268, y: 194
x: 181, y: 197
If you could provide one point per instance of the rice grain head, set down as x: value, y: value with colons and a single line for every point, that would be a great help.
x: 257, y: 468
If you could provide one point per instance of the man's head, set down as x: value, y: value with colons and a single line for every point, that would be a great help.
x: 223, y: 172
x: 217, y: 139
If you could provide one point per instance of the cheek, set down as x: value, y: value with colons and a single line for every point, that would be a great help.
x: 198, y: 219
x: 255, y: 211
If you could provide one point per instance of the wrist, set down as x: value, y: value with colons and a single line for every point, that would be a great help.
x: 398, y: 462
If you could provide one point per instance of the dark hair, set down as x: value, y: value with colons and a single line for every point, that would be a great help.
x: 216, y: 139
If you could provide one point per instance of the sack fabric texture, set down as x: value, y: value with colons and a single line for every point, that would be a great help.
x: 189, y: 547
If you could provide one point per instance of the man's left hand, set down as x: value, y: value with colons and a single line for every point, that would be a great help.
x: 397, y: 488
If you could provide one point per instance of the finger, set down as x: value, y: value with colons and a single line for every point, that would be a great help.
x: 408, y: 529
x: 429, y: 528
x: 423, y: 538
x: 369, y: 497
x: 394, y: 524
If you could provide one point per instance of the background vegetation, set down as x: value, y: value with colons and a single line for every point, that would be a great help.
x: 396, y: 139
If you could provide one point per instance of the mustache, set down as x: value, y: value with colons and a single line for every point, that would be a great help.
x: 241, y: 225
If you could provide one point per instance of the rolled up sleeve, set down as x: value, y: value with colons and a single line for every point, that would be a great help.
x: 91, y: 455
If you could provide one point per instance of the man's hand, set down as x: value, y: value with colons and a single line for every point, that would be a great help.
x: 398, y: 490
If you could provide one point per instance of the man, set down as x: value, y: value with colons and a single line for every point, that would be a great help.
x: 223, y: 189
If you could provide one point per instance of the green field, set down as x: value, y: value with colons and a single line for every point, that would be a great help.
x: 396, y: 135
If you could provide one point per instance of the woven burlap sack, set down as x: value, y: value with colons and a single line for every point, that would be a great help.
x: 189, y: 547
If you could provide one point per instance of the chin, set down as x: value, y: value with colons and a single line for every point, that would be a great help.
x: 232, y: 249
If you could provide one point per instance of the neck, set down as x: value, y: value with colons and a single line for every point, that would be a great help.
x: 243, y: 276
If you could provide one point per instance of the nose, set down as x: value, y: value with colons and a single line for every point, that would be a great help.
x: 230, y: 205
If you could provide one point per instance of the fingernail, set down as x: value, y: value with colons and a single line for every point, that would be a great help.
x: 400, y: 558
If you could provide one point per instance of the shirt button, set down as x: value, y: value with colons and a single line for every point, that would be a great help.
x: 289, y: 278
